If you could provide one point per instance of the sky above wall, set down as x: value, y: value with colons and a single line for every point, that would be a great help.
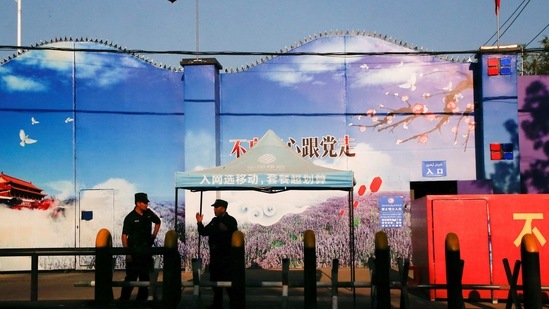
x: 261, y: 26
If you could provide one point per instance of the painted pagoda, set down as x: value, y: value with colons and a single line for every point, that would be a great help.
x: 16, y: 192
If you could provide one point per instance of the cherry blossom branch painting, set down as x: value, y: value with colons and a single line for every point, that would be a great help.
x: 450, y: 110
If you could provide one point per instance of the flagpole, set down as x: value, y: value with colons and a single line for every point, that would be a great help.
x: 497, y: 17
x: 197, y: 31
x: 498, y: 4
x: 19, y: 5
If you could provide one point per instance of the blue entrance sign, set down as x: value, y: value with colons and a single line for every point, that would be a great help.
x: 433, y: 168
x: 391, y: 211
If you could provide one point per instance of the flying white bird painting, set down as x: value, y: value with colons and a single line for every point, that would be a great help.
x: 448, y: 88
x: 69, y: 119
x: 25, y: 140
x: 410, y: 84
x: 34, y: 121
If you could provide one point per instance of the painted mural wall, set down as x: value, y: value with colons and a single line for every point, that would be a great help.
x: 91, y: 128
x: 389, y: 118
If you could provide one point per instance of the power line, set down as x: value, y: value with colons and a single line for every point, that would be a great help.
x: 240, y: 53
x: 537, y: 35
x: 515, y: 18
x: 509, y: 18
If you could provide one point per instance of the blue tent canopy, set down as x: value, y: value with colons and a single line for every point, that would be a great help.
x: 269, y: 166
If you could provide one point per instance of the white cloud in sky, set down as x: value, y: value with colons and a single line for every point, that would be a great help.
x: 194, y: 143
x: 304, y: 68
x: 56, y: 60
x: 104, y: 70
x: 99, y: 69
x: 370, y: 163
x: 33, y: 228
x: 287, y: 76
x: 19, y: 83
x: 63, y: 189
x: 123, y: 191
x: 110, y: 202
x: 387, y: 75
x: 375, y: 163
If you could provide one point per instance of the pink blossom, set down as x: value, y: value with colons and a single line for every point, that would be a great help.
x: 431, y: 116
x: 419, y: 108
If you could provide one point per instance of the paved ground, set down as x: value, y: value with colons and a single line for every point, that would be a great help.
x: 57, y: 290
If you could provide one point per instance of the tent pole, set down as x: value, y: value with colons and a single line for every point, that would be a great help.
x: 200, y: 237
x: 352, y: 240
x: 176, y: 201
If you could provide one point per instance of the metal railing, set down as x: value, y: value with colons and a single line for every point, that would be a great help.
x: 35, y: 253
x: 379, y: 268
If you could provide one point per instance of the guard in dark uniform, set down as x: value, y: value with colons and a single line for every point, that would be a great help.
x: 136, y: 233
x: 219, y: 232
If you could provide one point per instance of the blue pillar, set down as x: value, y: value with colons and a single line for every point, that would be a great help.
x: 497, y: 119
x: 201, y: 107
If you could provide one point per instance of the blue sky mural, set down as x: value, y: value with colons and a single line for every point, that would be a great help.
x: 114, y: 114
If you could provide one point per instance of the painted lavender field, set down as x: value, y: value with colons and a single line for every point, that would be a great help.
x: 265, y: 247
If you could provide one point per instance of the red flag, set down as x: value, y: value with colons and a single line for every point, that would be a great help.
x: 497, y: 6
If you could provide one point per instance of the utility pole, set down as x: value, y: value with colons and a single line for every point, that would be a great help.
x: 197, y: 31
x: 197, y: 34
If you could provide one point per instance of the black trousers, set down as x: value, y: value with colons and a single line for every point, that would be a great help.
x: 220, y: 270
x: 139, y: 268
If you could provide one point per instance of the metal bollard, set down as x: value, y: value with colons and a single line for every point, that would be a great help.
x: 285, y: 282
x: 381, y: 277
x: 403, y: 267
x: 103, y: 268
x: 238, y: 271
x: 531, y: 279
x: 196, y: 267
x: 171, y: 285
x: 335, y: 279
x: 454, y: 272
x: 309, y: 268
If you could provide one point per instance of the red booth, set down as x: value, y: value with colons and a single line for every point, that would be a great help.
x: 489, y: 228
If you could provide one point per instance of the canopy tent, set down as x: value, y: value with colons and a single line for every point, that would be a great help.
x: 270, y: 166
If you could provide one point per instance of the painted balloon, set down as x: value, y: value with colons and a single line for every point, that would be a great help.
x: 376, y: 184
x: 361, y: 190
